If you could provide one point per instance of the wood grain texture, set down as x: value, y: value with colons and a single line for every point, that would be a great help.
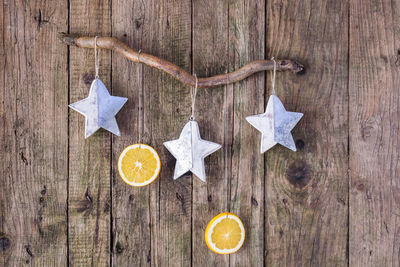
x: 89, y: 159
x: 215, y: 118
x: 166, y: 110
x: 335, y: 202
x: 34, y: 134
x: 247, y: 42
x: 130, y: 205
x: 307, y: 191
x: 374, y: 133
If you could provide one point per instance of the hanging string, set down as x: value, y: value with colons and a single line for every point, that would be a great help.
x: 273, y: 76
x: 140, y: 128
x: 96, y: 60
x: 193, y: 93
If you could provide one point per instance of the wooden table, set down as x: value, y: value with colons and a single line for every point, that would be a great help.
x: 335, y: 202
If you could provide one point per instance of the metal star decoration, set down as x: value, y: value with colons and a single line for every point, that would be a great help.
x: 99, y: 109
x: 275, y: 125
x: 190, y: 151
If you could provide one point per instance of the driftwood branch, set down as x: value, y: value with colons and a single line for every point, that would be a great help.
x: 172, y: 69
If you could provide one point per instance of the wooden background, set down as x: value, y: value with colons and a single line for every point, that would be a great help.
x: 336, y: 202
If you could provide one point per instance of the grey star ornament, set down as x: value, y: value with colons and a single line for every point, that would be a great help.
x: 275, y: 125
x: 190, y: 151
x: 99, y: 109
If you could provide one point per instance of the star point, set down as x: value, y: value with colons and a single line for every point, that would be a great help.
x: 275, y: 125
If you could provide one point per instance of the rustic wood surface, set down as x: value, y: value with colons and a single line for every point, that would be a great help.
x: 210, y: 41
x: 34, y: 134
x: 307, y: 191
x: 335, y: 202
x: 89, y: 202
x: 130, y: 209
x: 247, y: 42
x: 374, y: 94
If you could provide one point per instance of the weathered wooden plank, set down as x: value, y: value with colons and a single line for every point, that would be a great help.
x: 214, y: 115
x: 130, y: 205
x: 89, y: 160
x: 247, y: 43
x: 34, y: 134
x: 374, y: 238
x: 167, y: 30
x: 307, y: 191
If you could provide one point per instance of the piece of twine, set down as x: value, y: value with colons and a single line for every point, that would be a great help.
x: 96, y: 59
x: 273, y: 76
x: 193, y: 93
x: 140, y: 128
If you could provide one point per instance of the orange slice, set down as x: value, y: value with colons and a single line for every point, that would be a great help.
x: 225, y: 233
x: 139, y: 165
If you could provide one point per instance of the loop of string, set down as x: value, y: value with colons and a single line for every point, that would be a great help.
x: 273, y: 76
x: 96, y: 59
x: 193, y: 92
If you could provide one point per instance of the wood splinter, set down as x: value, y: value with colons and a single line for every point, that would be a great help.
x: 172, y: 69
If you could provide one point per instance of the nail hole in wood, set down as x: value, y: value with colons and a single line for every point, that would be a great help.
x: 300, y: 144
x: 28, y: 250
x: 43, y: 192
x: 118, y: 248
x: 254, y: 201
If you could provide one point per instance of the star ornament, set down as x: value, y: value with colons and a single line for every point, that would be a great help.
x: 190, y: 151
x: 99, y: 109
x: 275, y: 125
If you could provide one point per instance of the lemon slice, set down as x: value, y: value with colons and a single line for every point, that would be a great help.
x: 139, y: 165
x: 225, y: 233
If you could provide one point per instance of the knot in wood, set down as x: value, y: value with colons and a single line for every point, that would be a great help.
x: 4, y: 243
x: 298, y: 174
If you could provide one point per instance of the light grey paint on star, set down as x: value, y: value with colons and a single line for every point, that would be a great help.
x: 275, y: 125
x: 190, y: 151
x: 99, y: 109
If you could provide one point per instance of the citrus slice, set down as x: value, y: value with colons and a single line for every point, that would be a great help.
x: 225, y: 233
x: 139, y: 165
